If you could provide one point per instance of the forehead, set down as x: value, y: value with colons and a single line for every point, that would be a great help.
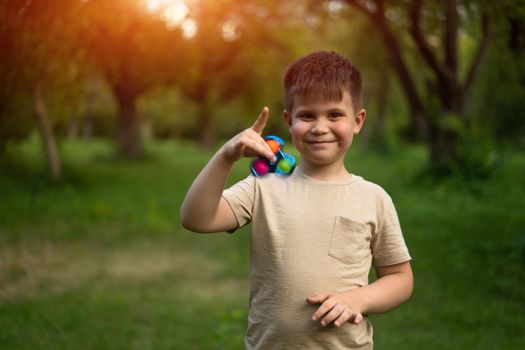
x: 318, y: 101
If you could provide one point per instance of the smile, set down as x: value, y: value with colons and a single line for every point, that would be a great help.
x: 319, y: 142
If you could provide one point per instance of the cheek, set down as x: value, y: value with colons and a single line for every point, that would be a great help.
x: 297, y: 133
x: 344, y: 132
x: 298, y: 129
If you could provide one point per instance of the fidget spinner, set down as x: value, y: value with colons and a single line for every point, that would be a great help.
x: 283, y: 165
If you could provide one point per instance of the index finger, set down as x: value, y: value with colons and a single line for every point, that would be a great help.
x: 260, y: 123
x: 318, y: 298
x: 323, y: 309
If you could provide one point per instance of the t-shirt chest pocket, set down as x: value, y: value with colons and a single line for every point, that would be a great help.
x: 350, y: 242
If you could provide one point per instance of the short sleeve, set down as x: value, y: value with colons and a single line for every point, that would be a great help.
x: 240, y: 198
x: 388, y: 244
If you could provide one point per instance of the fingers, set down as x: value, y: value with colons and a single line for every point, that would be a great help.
x: 358, y: 317
x: 260, y: 123
x: 339, y: 314
x: 338, y: 311
x: 348, y: 316
x: 318, y: 298
x: 251, y: 145
x: 323, y: 309
x: 256, y: 144
x: 344, y: 317
x: 333, y: 310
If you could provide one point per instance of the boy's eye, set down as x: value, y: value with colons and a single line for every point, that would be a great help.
x: 306, y: 116
x: 335, y: 115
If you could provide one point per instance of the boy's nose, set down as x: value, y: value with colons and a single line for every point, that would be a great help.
x: 319, y: 128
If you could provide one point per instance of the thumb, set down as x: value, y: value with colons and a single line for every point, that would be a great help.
x: 260, y: 123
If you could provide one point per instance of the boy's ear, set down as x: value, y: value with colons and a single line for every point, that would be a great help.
x: 359, y: 120
x: 287, y: 118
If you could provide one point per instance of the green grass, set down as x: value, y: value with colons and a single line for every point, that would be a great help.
x: 99, y: 261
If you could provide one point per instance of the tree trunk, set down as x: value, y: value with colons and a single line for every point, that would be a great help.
x: 90, y: 97
x: 46, y: 132
x: 87, y: 126
x: 443, y: 149
x: 206, y: 138
x: 419, y: 125
x: 129, y: 136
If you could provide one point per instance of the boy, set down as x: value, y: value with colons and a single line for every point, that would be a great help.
x: 315, y: 233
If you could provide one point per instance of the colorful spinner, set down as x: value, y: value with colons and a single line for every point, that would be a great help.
x: 284, y: 165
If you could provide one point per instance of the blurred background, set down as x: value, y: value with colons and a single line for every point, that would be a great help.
x: 110, y: 108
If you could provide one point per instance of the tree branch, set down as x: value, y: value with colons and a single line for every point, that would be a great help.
x: 485, y: 28
x: 359, y: 5
x: 380, y: 6
x: 450, y: 38
x: 415, y: 30
x: 398, y: 63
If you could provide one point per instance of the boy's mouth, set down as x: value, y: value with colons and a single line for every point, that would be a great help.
x: 319, y: 142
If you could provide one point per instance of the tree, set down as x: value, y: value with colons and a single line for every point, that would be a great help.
x: 233, y: 40
x: 212, y: 62
x: 437, y: 105
x: 37, y: 56
x: 500, y: 92
x: 134, y: 50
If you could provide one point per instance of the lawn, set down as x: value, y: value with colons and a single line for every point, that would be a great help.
x: 100, y: 260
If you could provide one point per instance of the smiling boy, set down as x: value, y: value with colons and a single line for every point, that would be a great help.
x: 316, y: 233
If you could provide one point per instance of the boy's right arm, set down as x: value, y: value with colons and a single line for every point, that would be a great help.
x: 204, y: 209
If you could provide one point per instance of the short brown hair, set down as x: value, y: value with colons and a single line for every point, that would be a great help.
x: 327, y: 72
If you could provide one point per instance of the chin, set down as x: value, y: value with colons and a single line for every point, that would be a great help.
x: 320, y: 161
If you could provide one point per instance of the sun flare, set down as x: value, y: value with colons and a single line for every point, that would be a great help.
x: 173, y: 12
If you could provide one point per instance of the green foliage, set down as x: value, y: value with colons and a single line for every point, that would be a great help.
x: 476, y: 155
x: 169, y: 115
x: 36, y: 49
x: 131, y: 48
x: 233, y: 66
x: 498, y: 100
x: 235, y: 60
x: 479, y: 157
x: 16, y: 119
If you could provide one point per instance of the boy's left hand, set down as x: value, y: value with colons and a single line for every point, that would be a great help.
x: 338, y: 307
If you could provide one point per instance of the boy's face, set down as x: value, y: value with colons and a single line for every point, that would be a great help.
x: 323, y: 130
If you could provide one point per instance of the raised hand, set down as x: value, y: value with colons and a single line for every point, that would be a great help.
x: 249, y: 142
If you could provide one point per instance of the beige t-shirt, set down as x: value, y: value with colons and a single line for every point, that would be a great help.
x: 307, y: 237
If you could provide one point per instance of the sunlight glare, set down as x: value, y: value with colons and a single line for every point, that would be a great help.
x: 173, y: 12
x: 189, y: 28
x: 229, y: 31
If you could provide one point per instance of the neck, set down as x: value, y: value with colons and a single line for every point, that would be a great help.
x: 326, y: 172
